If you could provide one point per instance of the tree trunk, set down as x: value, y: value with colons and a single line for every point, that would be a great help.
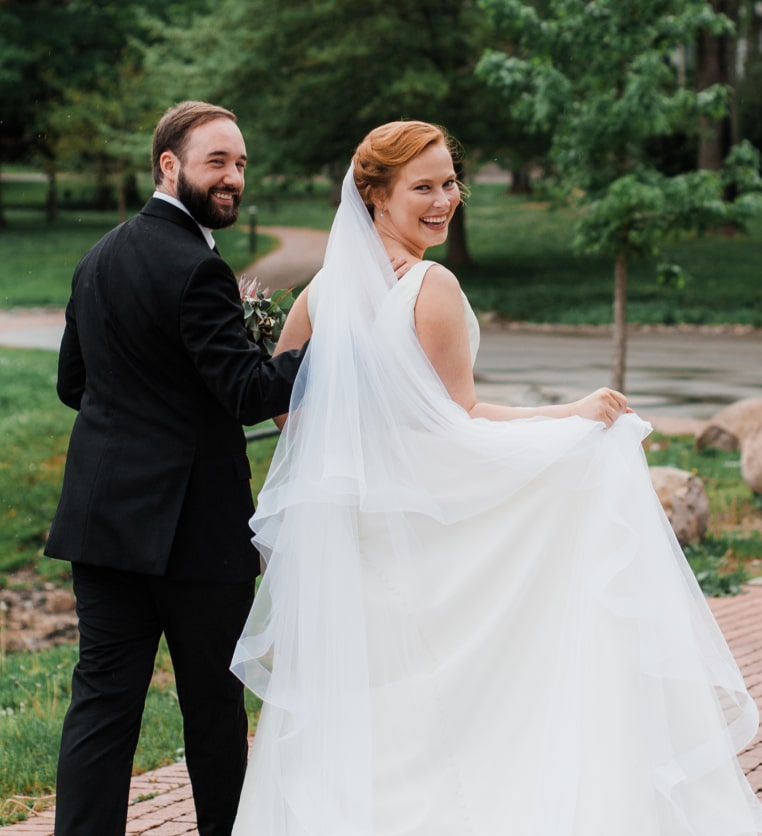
x: 457, y: 249
x: 715, y: 65
x: 3, y: 219
x: 51, y: 200
x: 131, y: 191
x: 103, y: 200
x: 753, y: 33
x: 620, y: 322
x: 521, y: 180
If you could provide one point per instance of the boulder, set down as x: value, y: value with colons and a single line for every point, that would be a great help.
x: 684, y: 500
x: 751, y: 460
x: 728, y: 428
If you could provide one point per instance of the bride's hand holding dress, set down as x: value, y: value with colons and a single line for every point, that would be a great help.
x: 441, y: 329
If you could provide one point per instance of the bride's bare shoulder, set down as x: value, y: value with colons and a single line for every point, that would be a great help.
x: 439, y: 298
x: 438, y: 280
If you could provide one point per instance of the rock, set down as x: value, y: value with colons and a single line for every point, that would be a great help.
x: 751, y: 460
x: 714, y: 435
x: 32, y: 619
x: 728, y: 428
x: 684, y: 501
x: 60, y: 601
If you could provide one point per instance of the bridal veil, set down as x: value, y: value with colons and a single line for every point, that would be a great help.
x: 466, y: 626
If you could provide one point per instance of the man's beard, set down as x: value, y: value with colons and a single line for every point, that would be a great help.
x: 201, y: 206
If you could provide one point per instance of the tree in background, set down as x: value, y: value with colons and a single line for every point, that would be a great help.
x: 716, y: 65
x: 72, y: 90
x: 50, y: 47
x: 749, y: 81
x: 601, y: 78
x: 309, y: 80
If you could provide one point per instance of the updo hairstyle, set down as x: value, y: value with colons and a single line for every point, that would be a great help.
x: 387, y: 148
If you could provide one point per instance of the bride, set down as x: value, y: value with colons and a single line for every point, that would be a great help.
x: 475, y: 619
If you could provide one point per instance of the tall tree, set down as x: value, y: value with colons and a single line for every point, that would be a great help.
x: 715, y: 64
x: 70, y: 81
x: 52, y: 46
x: 308, y: 79
x: 749, y: 82
x: 600, y: 76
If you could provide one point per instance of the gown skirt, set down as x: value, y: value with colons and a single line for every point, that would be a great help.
x: 500, y: 637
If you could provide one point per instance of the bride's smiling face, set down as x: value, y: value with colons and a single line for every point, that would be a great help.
x: 425, y: 194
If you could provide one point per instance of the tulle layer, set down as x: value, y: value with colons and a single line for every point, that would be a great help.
x: 546, y: 666
x: 472, y: 628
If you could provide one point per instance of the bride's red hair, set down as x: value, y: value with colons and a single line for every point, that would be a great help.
x: 388, y: 147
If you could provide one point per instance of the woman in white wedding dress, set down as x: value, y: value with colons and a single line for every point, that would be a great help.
x: 475, y: 619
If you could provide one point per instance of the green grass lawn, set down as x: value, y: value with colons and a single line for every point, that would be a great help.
x: 38, y: 257
x: 523, y: 267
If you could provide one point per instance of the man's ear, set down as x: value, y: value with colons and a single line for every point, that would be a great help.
x: 170, y: 167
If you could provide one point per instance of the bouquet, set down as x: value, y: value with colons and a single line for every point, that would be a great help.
x: 264, y: 313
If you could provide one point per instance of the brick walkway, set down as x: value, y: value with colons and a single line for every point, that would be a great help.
x: 161, y: 802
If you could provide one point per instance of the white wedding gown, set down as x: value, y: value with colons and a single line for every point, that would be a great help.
x: 490, y: 631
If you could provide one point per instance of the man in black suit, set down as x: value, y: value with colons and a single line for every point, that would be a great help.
x: 156, y: 498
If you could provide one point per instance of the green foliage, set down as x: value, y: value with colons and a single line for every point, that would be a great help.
x: 525, y: 269
x: 602, y: 79
x: 308, y: 80
x: 711, y: 566
x: 642, y: 210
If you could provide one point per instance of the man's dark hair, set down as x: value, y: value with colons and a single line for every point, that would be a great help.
x: 172, y: 131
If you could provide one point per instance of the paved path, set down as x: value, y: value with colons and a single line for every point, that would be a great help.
x: 677, y: 379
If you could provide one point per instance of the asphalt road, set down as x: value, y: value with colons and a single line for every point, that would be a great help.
x: 686, y: 374
x: 675, y: 373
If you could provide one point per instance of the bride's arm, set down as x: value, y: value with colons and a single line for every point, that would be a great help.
x: 441, y: 328
x: 297, y: 329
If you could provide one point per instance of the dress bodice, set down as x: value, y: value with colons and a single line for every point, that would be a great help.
x: 401, y: 300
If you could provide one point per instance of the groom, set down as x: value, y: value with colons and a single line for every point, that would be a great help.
x: 156, y: 497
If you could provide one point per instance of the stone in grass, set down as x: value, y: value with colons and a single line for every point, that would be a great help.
x: 684, y: 500
x: 728, y: 428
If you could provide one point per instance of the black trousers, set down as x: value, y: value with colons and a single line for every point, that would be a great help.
x: 121, y: 619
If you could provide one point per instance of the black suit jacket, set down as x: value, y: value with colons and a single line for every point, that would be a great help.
x: 156, y: 359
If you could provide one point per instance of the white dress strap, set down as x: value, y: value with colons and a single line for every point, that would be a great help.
x: 409, y: 287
